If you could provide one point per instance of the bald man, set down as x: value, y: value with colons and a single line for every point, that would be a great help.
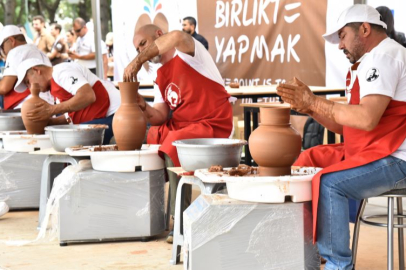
x: 189, y: 84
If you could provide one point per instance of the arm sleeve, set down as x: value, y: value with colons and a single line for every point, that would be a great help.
x: 378, y: 74
x: 70, y: 80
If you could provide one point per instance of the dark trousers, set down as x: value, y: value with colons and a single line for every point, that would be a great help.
x: 93, y: 70
x: 108, y: 133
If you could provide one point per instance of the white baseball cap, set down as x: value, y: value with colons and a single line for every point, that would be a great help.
x: 9, y: 31
x: 41, y: 60
x: 356, y: 13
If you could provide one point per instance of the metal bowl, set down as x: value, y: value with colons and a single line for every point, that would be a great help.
x: 202, y: 153
x: 11, y: 121
x: 64, y: 136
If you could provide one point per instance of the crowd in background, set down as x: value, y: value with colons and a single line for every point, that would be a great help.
x: 66, y: 45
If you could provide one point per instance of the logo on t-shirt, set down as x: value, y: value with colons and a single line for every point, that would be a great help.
x: 172, y: 95
x: 372, y: 75
x: 74, y: 80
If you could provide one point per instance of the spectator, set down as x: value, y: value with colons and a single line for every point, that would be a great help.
x: 43, y: 40
x: 70, y: 38
x: 14, y: 47
x: 59, y: 52
x: 387, y: 17
x: 84, y: 49
x: 27, y: 38
x: 110, y: 52
x: 189, y: 26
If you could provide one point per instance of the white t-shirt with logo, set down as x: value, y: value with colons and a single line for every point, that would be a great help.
x: 84, y: 46
x: 15, y: 57
x: 72, y: 76
x: 202, y: 62
x: 382, y: 71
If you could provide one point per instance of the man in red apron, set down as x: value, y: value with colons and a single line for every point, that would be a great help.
x: 84, y: 98
x: 14, y: 47
x: 372, y: 158
x: 189, y: 85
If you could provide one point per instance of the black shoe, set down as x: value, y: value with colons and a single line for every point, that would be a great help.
x: 169, y: 238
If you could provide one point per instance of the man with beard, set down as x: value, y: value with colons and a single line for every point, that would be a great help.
x: 43, y: 40
x: 189, y: 26
x: 371, y: 160
x: 190, y: 85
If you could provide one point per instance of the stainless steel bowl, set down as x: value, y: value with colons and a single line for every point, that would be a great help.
x: 202, y: 153
x: 11, y: 121
x: 64, y: 136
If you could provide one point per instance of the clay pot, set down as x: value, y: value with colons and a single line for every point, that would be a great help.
x: 36, y: 127
x: 129, y: 124
x: 275, y: 145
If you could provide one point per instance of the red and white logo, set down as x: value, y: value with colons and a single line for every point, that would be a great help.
x: 172, y: 95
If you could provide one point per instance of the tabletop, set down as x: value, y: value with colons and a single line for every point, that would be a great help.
x: 271, y: 89
x: 48, y: 151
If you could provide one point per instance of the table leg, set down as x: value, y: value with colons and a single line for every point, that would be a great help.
x: 247, y: 133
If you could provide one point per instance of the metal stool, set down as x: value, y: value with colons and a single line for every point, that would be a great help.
x: 392, y: 194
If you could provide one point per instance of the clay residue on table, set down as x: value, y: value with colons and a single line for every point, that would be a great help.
x: 95, y: 126
x: 104, y: 148
x: 242, y: 170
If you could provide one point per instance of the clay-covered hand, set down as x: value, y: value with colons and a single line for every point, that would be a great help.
x: 131, y: 71
x: 297, y: 94
x: 141, y: 102
x: 43, y: 111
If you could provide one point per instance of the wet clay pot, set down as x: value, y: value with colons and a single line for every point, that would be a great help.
x: 275, y: 145
x: 36, y: 127
x: 129, y: 124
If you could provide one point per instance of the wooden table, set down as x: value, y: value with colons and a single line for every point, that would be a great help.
x: 255, y: 92
x: 252, y: 109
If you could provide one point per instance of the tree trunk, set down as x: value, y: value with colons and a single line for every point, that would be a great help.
x: 83, y: 10
x: 50, y: 8
x: 9, y: 13
x: 105, y: 17
x: 20, y: 14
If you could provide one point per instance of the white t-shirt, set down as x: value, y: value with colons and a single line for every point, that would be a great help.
x: 72, y: 76
x: 202, y: 62
x: 84, y: 46
x: 15, y: 57
x: 383, y: 71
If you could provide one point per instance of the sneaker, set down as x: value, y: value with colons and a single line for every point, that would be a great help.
x: 3, y: 208
x: 169, y: 238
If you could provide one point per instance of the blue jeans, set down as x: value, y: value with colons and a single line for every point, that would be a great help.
x: 373, y: 179
x: 108, y: 133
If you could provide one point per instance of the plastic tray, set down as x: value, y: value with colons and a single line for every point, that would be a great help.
x: 266, y: 189
x: 146, y: 159
x: 20, y: 141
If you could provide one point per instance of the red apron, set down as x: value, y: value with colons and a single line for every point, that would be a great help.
x: 360, y: 147
x: 97, y: 109
x: 13, y: 98
x: 200, y: 108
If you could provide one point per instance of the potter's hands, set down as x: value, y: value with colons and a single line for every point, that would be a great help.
x: 141, y: 102
x: 298, y: 95
x: 131, y: 71
x: 73, y: 55
x: 43, y: 111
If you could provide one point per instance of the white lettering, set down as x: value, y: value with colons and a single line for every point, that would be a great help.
x: 278, y: 49
x: 229, y: 51
x: 291, y: 50
x: 235, y: 11
x: 258, y: 47
x: 261, y: 12
x: 246, y: 21
x: 219, y: 47
x: 220, y: 18
x: 242, y: 49
x: 275, y: 12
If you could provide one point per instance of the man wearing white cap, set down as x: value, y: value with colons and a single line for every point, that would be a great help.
x: 15, y: 49
x: 372, y: 158
x: 84, y: 98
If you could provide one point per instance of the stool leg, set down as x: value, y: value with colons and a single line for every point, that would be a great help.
x: 177, y: 231
x: 357, y: 224
x: 168, y: 208
x: 390, y: 232
x: 45, y: 189
x: 400, y: 235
